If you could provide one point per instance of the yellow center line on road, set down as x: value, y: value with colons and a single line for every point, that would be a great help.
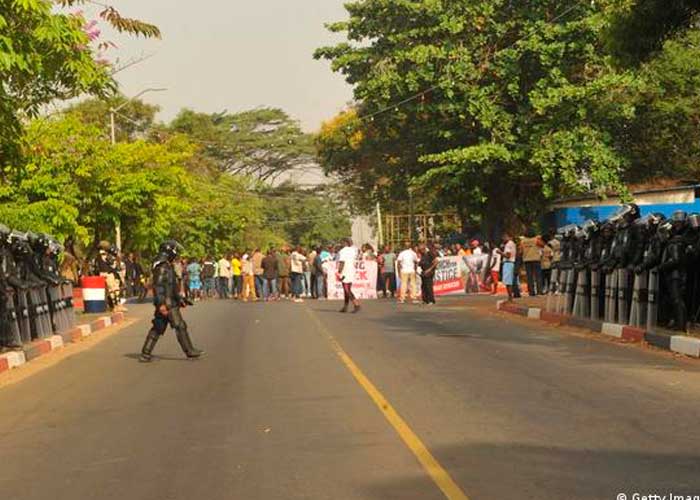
x: 436, y: 472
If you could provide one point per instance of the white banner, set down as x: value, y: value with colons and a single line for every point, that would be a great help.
x: 364, y: 286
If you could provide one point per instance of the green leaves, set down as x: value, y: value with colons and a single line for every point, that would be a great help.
x: 524, y: 105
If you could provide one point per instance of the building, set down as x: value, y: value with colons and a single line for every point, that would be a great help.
x: 665, y: 200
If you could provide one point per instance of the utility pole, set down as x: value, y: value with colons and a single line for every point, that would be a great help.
x: 113, y: 130
x: 411, y: 232
x: 380, y: 229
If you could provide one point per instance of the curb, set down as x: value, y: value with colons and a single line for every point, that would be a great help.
x: 680, y: 344
x: 38, y: 348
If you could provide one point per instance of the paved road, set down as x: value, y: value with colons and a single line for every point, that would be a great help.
x: 272, y: 412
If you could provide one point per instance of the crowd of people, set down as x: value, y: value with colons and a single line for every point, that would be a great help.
x: 297, y: 273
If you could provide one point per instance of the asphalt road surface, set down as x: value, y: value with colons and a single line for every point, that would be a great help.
x: 297, y: 401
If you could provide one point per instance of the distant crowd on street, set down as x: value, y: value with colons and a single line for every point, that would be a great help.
x: 297, y: 273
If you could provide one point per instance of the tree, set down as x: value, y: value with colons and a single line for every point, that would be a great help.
x: 504, y: 105
x: 262, y: 143
x: 47, y: 55
x: 305, y: 217
x: 640, y: 28
x: 132, y: 122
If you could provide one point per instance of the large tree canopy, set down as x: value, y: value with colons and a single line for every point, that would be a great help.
x: 263, y: 143
x: 504, y: 104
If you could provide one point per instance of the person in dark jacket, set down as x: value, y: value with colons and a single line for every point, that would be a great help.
x: 168, y: 304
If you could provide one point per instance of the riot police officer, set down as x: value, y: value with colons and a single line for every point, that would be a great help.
x: 673, y: 270
x: 168, y: 302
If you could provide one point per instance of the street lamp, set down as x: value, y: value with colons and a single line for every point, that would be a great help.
x: 112, y: 114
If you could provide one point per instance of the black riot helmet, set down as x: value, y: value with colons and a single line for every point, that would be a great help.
x: 650, y: 221
x: 55, y: 247
x: 664, y: 231
x: 171, y: 249
x: 626, y: 214
x: 590, y: 227
x: 679, y: 220
x: 19, y: 243
x: 568, y: 231
x: 113, y: 251
x: 694, y: 221
x: 4, y: 234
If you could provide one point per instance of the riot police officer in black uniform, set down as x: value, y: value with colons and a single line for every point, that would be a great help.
x: 674, y: 272
x: 9, y: 332
x: 168, y: 302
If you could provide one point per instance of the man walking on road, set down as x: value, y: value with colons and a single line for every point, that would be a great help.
x: 407, y: 261
x: 168, y: 302
x: 347, y: 257
x: 428, y: 263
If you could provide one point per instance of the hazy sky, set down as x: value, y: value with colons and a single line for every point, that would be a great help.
x: 235, y: 55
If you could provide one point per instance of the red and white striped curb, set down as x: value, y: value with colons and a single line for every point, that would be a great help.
x: 11, y: 360
x: 681, y: 344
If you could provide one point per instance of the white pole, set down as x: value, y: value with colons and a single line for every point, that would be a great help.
x: 380, y: 229
x: 117, y: 225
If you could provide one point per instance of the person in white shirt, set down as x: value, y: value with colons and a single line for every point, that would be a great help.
x: 495, y: 269
x: 297, y: 268
x: 509, y: 253
x: 347, y: 257
x: 224, y: 276
x: 408, y: 262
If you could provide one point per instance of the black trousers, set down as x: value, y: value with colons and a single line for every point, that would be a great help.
x: 347, y: 292
x: 174, y: 319
x: 427, y: 290
x: 676, y: 292
x: 534, y: 277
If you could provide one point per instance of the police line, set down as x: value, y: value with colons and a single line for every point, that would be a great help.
x: 453, y: 276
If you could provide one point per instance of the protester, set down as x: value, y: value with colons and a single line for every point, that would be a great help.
x: 224, y: 276
x: 311, y: 258
x: 320, y: 275
x: 297, y: 260
x: 258, y: 272
x: 237, y: 287
x: 495, y: 264
x: 306, y: 281
x: 509, y: 254
x: 428, y: 263
x: 531, y: 247
x: 388, y: 271
x: 283, y: 280
x: 270, y: 273
x: 546, y: 266
x: 347, y: 257
x: 407, y: 262
x: 475, y: 246
x: 194, y: 271
x: 208, y: 276
x: 248, y: 274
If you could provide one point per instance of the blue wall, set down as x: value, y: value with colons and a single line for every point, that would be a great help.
x: 578, y: 215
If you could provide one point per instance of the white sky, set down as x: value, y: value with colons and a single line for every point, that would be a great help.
x: 235, y: 55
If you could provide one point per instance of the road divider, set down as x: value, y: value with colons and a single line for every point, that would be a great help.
x: 680, y: 344
x: 14, y: 359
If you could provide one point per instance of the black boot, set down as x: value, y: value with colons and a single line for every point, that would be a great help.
x: 148, y: 346
x: 183, y: 337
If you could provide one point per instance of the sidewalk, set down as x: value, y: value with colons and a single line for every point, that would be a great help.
x: 86, y: 325
x: 533, y: 308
